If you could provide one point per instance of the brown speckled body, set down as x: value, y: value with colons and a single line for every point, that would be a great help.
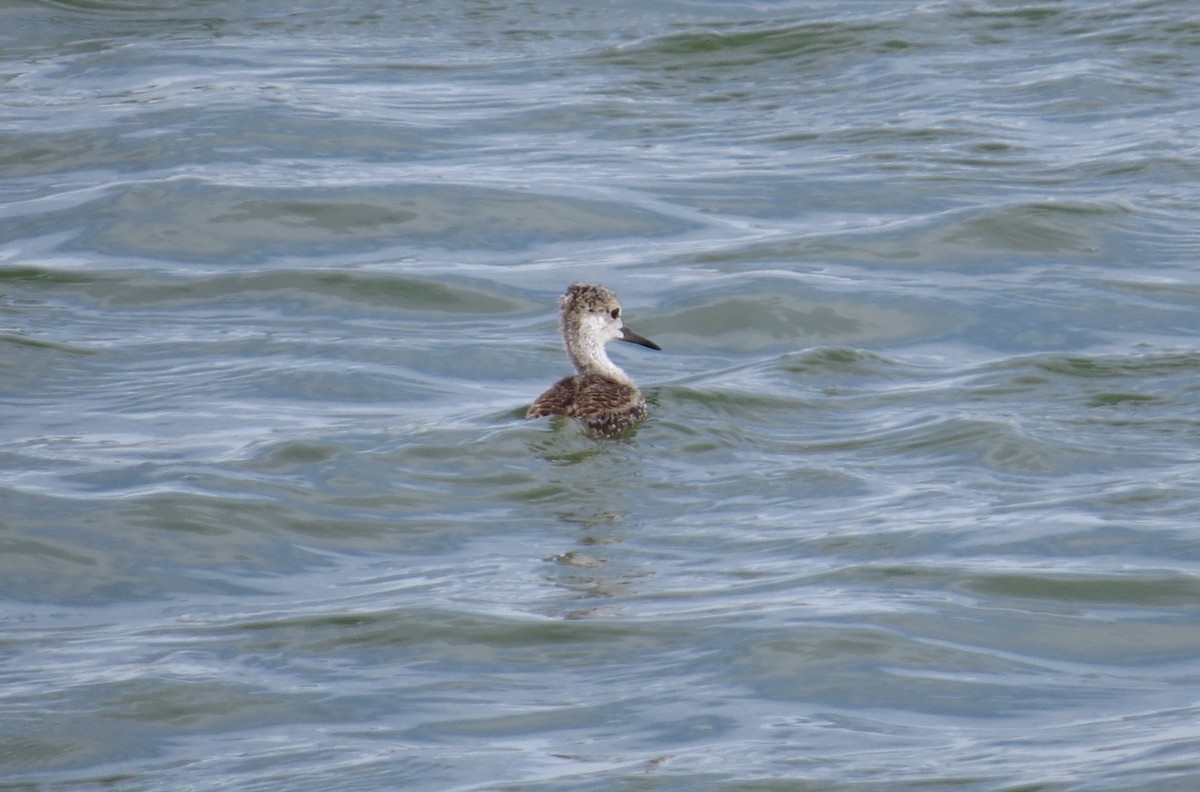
x: 605, y: 407
x: 600, y: 395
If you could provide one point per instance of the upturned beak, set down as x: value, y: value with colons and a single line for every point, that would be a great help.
x: 634, y: 338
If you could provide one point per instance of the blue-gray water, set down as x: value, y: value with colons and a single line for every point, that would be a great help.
x: 917, y: 503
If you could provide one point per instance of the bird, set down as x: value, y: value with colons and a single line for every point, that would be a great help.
x: 599, y: 394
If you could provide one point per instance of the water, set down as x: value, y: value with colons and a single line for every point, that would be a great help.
x: 916, y: 503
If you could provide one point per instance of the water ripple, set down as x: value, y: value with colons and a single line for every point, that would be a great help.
x: 913, y: 506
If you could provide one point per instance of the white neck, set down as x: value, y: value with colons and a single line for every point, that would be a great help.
x: 589, y: 356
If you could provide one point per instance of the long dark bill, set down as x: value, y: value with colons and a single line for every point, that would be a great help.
x: 634, y: 338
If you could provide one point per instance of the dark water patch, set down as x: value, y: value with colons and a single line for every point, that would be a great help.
x: 188, y: 220
x: 996, y: 444
x: 311, y: 290
x: 721, y: 47
x: 1174, y: 495
x: 41, y: 277
x: 762, y: 392
x: 1112, y: 24
x: 838, y: 362
x: 109, y: 7
x: 67, y: 153
x: 1040, y: 228
x: 62, y: 551
x: 294, y: 455
x: 425, y: 635
x: 39, y: 345
x: 409, y: 293
x: 995, y: 237
x: 1014, y: 415
x: 1119, y: 367
x: 755, y: 314
x: 1009, y: 417
x: 21, y: 751
x: 1115, y: 399
x: 1052, y: 387
x: 43, y: 557
x: 1148, y: 387
x: 830, y: 666
x: 233, y: 536
x: 1161, y: 288
x: 1135, y: 591
x: 298, y: 291
x: 745, y: 404
x: 129, y: 714
x: 995, y: 233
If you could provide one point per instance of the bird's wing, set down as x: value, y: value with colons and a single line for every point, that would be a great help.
x: 555, y: 401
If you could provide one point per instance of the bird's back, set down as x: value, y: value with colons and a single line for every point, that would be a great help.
x: 604, y: 406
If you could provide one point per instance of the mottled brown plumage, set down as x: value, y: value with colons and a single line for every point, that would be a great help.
x: 599, y: 394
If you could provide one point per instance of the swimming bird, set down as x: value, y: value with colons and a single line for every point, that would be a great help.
x: 599, y: 394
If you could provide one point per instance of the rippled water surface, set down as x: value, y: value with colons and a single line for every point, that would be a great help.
x: 916, y: 504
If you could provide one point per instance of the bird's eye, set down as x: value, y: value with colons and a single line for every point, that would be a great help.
x: 616, y: 313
